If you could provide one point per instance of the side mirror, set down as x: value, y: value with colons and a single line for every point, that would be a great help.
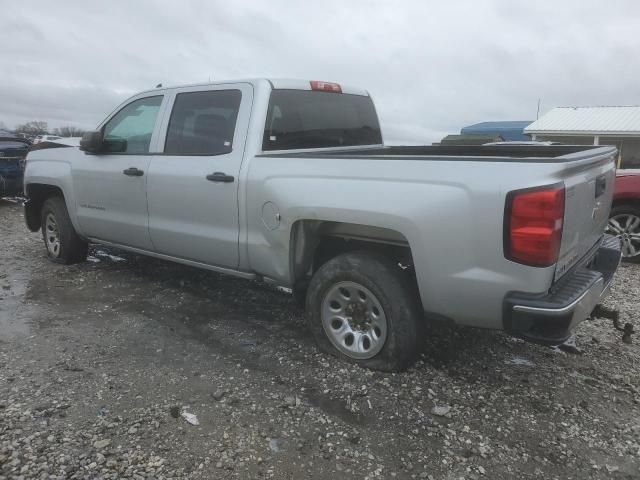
x: 92, y: 142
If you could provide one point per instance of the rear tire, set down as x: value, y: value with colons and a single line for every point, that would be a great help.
x: 624, y: 223
x: 60, y: 238
x: 362, y: 308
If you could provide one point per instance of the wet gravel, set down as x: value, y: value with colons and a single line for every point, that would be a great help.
x: 102, y: 363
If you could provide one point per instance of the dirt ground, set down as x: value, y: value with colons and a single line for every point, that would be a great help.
x: 99, y: 361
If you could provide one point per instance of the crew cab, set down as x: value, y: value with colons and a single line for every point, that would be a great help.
x: 289, y: 182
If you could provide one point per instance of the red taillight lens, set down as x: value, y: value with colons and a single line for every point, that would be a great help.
x: 533, y: 225
x: 325, y: 86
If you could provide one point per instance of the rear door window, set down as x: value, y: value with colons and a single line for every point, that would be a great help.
x: 203, y: 123
x: 134, y: 124
x: 315, y: 119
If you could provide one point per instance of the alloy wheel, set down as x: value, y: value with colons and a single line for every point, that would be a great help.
x: 626, y: 227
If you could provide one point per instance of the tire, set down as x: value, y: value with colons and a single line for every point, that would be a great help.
x: 62, y: 243
x: 624, y: 222
x: 378, y: 324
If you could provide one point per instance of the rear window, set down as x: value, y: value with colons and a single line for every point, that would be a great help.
x: 316, y: 119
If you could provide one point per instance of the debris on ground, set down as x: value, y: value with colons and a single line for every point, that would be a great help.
x: 190, y: 417
x: 441, y: 410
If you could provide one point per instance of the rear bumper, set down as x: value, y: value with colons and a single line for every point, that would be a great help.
x: 550, y: 317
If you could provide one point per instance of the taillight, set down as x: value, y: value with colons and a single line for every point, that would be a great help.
x: 325, y: 86
x: 533, y: 225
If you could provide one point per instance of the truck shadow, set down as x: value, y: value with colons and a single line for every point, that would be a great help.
x: 243, y: 319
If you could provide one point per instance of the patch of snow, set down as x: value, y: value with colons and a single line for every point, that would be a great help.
x: 113, y: 258
x: 520, y: 361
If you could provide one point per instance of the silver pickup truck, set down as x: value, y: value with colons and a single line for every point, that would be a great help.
x: 289, y: 182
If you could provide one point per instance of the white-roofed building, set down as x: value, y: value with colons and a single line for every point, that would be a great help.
x: 619, y: 126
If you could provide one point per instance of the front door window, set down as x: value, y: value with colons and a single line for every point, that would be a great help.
x: 134, y: 125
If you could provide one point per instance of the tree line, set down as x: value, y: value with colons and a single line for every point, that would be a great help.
x: 38, y: 127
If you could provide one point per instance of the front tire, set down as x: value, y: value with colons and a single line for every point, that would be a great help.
x: 624, y: 223
x: 61, y: 240
x: 362, y: 308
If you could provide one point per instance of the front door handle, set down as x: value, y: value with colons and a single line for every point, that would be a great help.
x: 220, y: 177
x: 133, y: 172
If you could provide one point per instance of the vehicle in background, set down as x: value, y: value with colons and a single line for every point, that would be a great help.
x: 69, y: 141
x: 45, y: 138
x: 289, y: 182
x: 61, y: 142
x: 624, y: 220
x: 13, y: 152
x: 25, y: 136
x: 470, y: 139
x: 521, y: 142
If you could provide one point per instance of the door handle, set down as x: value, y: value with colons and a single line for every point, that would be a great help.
x: 220, y: 177
x: 133, y: 172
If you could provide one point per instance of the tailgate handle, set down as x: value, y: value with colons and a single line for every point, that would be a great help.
x: 601, y: 185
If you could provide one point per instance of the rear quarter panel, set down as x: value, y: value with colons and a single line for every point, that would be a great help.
x: 451, y: 213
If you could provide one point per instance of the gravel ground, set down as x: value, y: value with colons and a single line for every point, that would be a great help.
x: 101, y: 362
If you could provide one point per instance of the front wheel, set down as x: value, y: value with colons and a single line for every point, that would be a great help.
x: 362, y: 308
x: 62, y: 242
x: 624, y: 222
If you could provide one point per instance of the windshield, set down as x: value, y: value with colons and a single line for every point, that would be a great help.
x: 315, y: 119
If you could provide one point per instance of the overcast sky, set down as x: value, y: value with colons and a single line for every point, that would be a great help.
x: 431, y: 66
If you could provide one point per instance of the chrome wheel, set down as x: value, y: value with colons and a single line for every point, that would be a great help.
x: 52, y: 235
x: 626, y: 227
x: 353, y: 319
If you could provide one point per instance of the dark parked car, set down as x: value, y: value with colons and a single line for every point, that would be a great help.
x: 13, y: 152
x: 624, y: 220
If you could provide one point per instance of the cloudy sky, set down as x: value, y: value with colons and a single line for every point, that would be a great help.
x: 432, y: 66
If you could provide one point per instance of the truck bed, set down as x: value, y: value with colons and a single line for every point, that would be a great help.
x: 504, y: 153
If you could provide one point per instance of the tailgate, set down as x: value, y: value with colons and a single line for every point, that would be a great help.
x: 588, y: 194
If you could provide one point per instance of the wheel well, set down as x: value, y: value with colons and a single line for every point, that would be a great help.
x: 37, y: 193
x: 631, y: 202
x: 316, y: 242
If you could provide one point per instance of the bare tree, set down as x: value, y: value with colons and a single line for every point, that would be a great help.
x: 69, y: 131
x: 35, y: 127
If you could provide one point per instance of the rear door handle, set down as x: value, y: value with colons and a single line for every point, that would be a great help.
x: 220, y: 177
x: 133, y: 172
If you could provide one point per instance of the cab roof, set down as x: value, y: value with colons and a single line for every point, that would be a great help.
x: 275, y: 83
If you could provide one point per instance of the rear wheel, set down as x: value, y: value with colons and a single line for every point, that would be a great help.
x: 361, y: 308
x: 62, y: 242
x: 624, y: 222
